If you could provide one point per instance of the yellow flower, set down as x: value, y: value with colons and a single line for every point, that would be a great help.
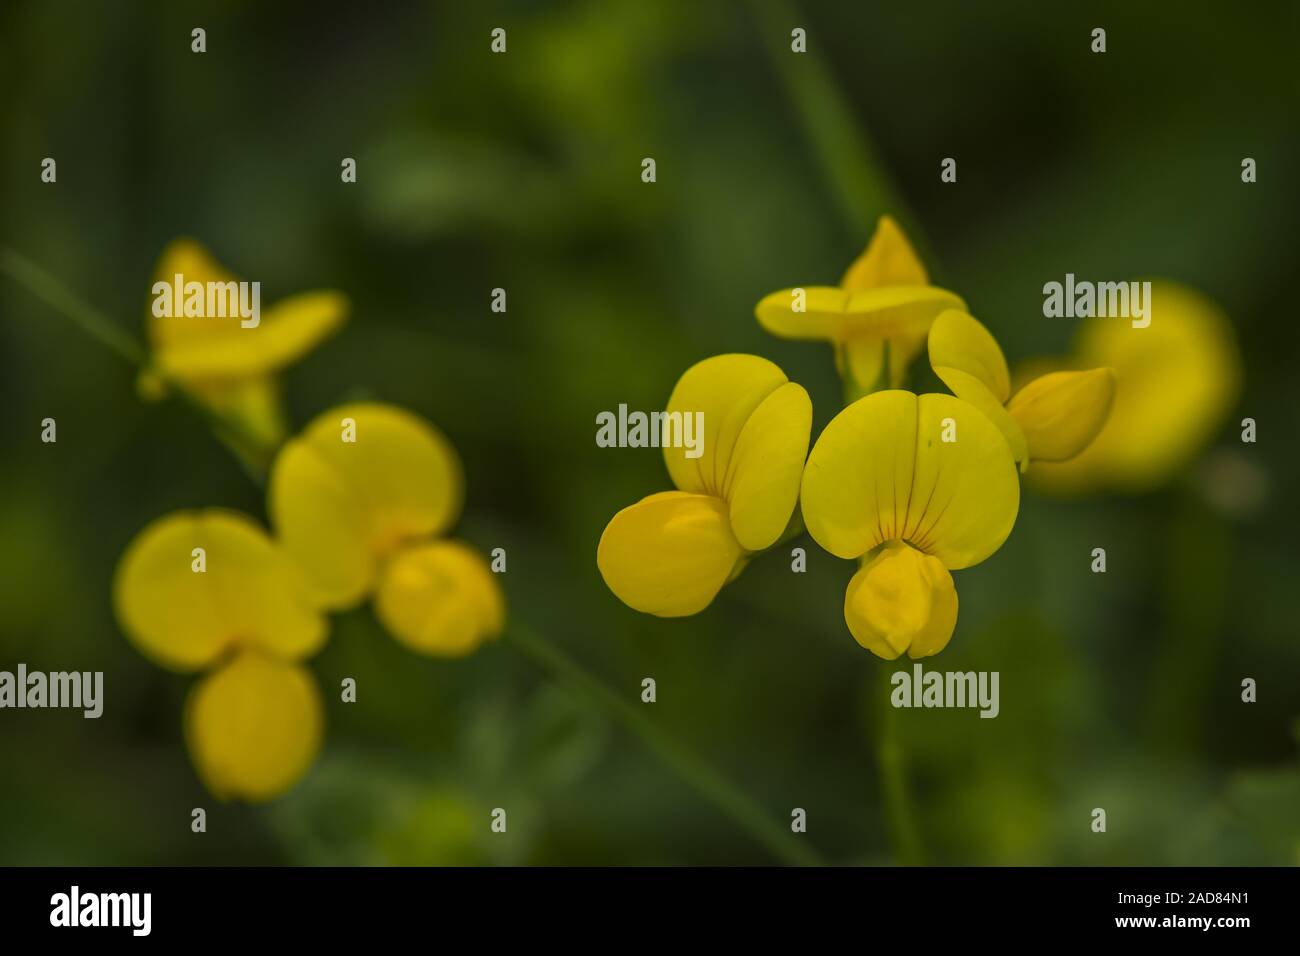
x: 916, y: 486
x: 357, y: 500
x: 1178, y: 378
x: 195, y: 586
x: 1053, y: 418
x: 228, y: 366
x: 254, y: 727
x: 210, y: 589
x: 670, y: 554
x: 877, y: 318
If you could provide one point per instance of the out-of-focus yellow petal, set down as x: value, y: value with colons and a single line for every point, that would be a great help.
x: 215, y: 350
x: 254, y: 727
x: 882, y: 471
x: 960, y: 342
x: 253, y: 403
x: 889, y: 259
x: 440, y: 599
x: 901, y: 600
x: 286, y: 331
x: 193, y: 263
x: 727, y: 389
x: 861, y: 361
x: 341, y: 507
x: 838, y: 315
x: 1176, y: 381
x: 1062, y: 412
x: 250, y: 594
x: 818, y: 314
x: 669, y: 554
x: 761, y: 485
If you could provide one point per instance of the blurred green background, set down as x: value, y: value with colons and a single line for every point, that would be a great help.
x: 523, y: 171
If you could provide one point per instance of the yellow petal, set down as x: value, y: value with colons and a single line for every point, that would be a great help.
x: 341, y: 507
x: 889, y: 259
x: 286, y: 331
x: 726, y: 390
x: 901, y: 600
x: 1176, y: 381
x: 254, y: 727
x: 960, y: 342
x: 883, y: 471
x: 970, y: 389
x: 253, y: 403
x: 669, y: 554
x: 1062, y: 412
x: 190, y: 260
x: 814, y: 312
x: 861, y: 363
x: 966, y: 357
x: 838, y: 315
x: 761, y: 485
x: 440, y: 599
x: 249, y: 595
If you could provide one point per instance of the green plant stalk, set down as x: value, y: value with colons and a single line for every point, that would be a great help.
x: 711, y: 784
x: 857, y: 176
x: 891, y: 761
x: 52, y: 292
x: 251, y: 453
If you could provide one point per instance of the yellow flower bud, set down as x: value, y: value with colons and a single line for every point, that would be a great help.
x: 1061, y: 413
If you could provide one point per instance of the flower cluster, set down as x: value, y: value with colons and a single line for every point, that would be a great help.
x: 360, y: 503
x: 910, y: 486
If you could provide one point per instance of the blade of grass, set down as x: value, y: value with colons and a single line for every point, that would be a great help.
x: 247, y: 448
x: 861, y: 185
x: 716, y: 788
x: 85, y: 316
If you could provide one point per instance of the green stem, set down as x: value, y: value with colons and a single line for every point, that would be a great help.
x: 246, y: 447
x: 892, y: 762
x: 711, y: 784
x: 85, y: 316
x: 862, y: 186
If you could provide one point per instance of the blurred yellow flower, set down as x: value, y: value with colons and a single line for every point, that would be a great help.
x: 877, y: 318
x: 204, y: 589
x: 1052, y: 418
x: 196, y: 586
x: 227, y: 366
x: 915, y: 486
x: 1177, y: 380
x: 671, y: 553
x: 357, y: 500
x: 254, y: 726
